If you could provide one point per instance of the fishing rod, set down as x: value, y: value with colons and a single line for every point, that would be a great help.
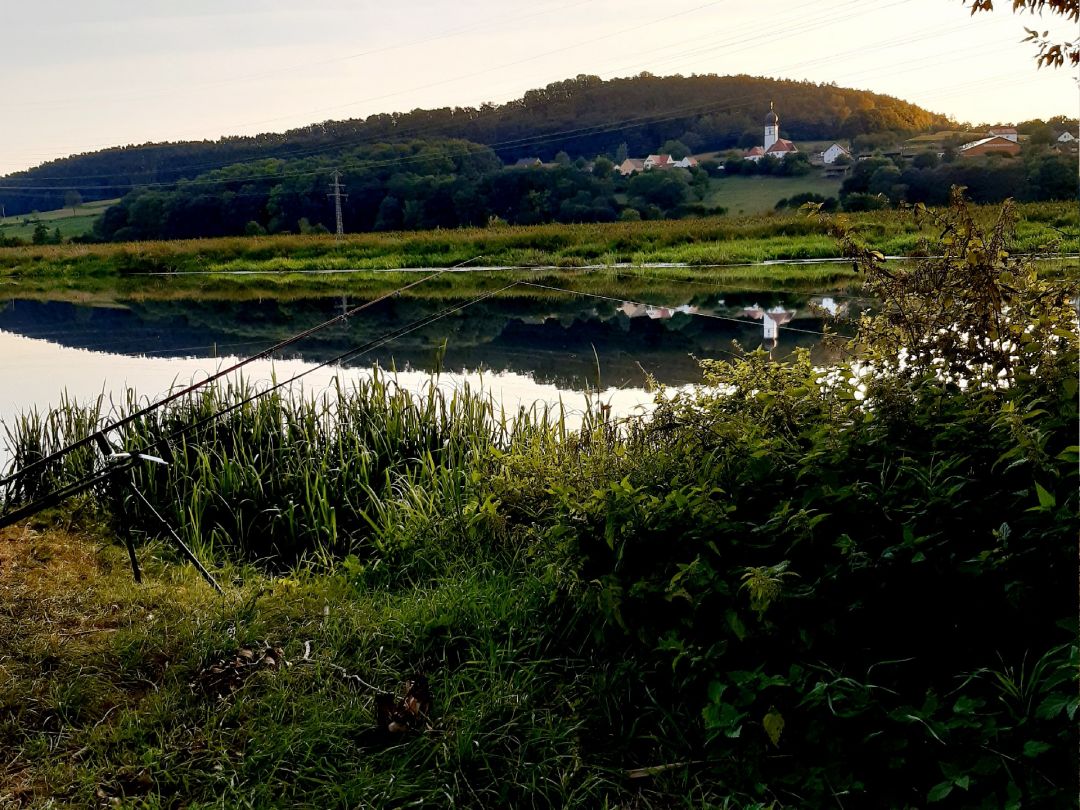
x: 94, y: 437
x: 96, y: 477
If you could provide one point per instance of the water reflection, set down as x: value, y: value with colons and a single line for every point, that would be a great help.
x: 565, y: 341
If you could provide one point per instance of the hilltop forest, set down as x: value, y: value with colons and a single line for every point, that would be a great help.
x: 581, y: 116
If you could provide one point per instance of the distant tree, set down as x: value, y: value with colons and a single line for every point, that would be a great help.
x: 749, y: 138
x: 677, y: 149
x: 883, y: 180
x: 253, y: 228
x: 925, y: 160
x: 390, y: 216
x: 1041, y: 136
x: 56, y: 237
x: 699, y: 182
x: 665, y: 190
x: 562, y: 158
x: 865, y: 202
x: 41, y: 234
x: 72, y: 199
x: 794, y: 165
x: 630, y: 215
x: 602, y: 167
x: 1054, y: 178
x: 713, y: 168
x: 622, y: 153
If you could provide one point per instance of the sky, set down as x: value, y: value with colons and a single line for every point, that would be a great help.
x: 80, y: 76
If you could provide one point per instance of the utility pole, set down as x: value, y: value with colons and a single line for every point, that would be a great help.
x: 337, y: 196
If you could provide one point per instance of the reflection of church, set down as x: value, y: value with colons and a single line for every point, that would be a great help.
x: 774, y: 146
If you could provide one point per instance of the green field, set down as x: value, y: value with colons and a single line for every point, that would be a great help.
x: 71, y: 223
x: 756, y: 194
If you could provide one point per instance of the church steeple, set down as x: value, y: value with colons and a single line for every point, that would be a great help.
x: 772, y: 127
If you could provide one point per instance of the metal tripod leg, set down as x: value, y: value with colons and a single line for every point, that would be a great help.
x: 116, y: 486
x: 187, y: 552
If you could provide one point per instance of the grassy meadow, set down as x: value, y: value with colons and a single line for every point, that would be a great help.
x: 758, y: 194
x: 71, y: 223
x: 701, y: 242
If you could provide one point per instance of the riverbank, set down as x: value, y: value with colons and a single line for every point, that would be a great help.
x: 697, y: 242
x: 788, y: 587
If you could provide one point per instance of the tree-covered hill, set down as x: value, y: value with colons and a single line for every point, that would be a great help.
x: 582, y: 116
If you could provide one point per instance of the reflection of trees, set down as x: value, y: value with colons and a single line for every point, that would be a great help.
x: 554, y: 339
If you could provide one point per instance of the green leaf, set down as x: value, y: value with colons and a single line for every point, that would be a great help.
x: 939, y: 791
x: 1032, y: 748
x: 736, y: 625
x: 1055, y: 704
x: 1046, y: 499
x: 962, y: 782
x: 774, y: 726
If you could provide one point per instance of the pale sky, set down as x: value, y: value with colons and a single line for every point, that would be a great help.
x: 77, y: 75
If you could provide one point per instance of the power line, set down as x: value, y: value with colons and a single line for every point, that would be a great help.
x: 337, y: 196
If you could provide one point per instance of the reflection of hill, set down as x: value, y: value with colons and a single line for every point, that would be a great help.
x: 556, y: 341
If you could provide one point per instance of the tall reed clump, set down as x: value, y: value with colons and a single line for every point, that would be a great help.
x: 285, y: 475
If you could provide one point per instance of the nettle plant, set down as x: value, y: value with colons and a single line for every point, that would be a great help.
x: 971, y: 316
x: 838, y: 580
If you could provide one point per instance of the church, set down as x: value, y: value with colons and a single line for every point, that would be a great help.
x: 774, y: 146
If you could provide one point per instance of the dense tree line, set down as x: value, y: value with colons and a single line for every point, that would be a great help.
x: 581, y: 116
x: 1036, y: 175
x: 414, y: 185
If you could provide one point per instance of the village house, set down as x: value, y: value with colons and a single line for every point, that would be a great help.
x: 998, y: 144
x: 1066, y: 137
x: 526, y: 163
x: 632, y: 165
x: 1008, y: 133
x: 831, y: 154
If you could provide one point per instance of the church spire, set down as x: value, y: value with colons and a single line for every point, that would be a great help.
x: 772, y: 127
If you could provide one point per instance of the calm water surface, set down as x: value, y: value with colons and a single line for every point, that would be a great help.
x: 522, y: 349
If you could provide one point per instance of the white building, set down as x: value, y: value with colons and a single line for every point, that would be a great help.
x: 833, y: 152
x: 774, y: 145
x: 1066, y: 137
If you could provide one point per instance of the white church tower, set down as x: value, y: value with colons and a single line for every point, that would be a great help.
x: 772, y: 127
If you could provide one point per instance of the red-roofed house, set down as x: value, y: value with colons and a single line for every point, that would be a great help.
x: 1009, y: 133
x: 658, y: 162
x: 781, y: 148
x: 986, y: 146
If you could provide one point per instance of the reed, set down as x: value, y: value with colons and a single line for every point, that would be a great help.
x: 357, y: 469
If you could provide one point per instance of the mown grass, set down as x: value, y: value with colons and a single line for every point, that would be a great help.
x: 70, y: 222
x: 713, y: 240
x: 757, y: 194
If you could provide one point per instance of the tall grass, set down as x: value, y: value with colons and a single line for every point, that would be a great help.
x: 696, y: 241
x: 360, y: 470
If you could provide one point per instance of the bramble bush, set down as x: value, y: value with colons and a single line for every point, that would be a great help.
x: 856, y: 584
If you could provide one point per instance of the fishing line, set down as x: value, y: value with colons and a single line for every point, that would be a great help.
x: 217, y: 375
